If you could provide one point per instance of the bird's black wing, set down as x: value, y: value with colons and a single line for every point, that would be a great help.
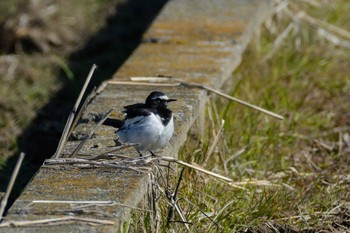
x: 139, y: 105
x: 136, y: 110
x: 131, y: 111
x: 113, y: 122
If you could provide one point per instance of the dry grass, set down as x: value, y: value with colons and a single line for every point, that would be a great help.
x: 295, y: 173
x: 33, y: 59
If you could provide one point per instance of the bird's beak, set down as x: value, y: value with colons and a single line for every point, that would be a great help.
x: 171, y: 100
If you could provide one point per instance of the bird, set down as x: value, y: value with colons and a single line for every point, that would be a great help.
x: 150, y: 125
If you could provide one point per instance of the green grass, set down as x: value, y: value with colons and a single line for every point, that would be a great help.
x: 309, y: 85
x: 29, y: 79
x: 307, y: 81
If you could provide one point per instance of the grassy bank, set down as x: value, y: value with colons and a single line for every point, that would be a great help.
x: 291, y: 174
x: 34, y: 68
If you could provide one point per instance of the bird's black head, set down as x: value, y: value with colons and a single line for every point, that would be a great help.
x: 158, y: 98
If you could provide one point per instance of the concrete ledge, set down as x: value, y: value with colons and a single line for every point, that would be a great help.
x: 197, y: 41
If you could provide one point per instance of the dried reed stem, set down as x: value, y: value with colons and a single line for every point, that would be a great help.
x: 215, y: 143
x: 182, y: 216
x: 171, y: 159
x: 73, y: 161
x: 10, y: 186
x: 72, y: 114
x: 158, y: 83
x: 233, y: 99
x: 56, y: 220
x: 320, y: 23
x: 105, y: 155
x: 99, y: 203
x: 82, y: 109
x: 89, y: 135
x: 152, y: 79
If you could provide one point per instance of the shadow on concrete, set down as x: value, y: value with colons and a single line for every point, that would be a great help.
x: 108, y: 48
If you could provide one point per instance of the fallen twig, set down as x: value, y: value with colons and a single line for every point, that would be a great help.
x: 73, y: 161
x: 182, y: 216
x: 215, y: 142
x: 10, y: 186
x: 229, y: 181
x: 333, y: 38
x: 234, y: 99
x: 186, y: 84
x: 312, y: 3
x: 152, y: 79
x: 324, y: 29
x: 72, y: 114
x: 56, y: 220
x: 257, y: 183
x: 105, y: 155
x: 171, y: 159
x: 320, y: 23
x: 82, y: 109
x: 89, y: 135
x: 157, y: 84
x: 88, y: 203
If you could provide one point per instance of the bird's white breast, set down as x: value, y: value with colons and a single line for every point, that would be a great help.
x: 167, y: 134
x: 148, y: 131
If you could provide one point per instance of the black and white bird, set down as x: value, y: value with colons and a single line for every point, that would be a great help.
x: 150, y: 124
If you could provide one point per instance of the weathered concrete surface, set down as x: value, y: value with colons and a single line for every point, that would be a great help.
x: 197, y: 41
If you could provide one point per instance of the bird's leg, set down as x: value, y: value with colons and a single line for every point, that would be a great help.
x: 117, y: 142
x: 139, y: 152
x: 152, y: 153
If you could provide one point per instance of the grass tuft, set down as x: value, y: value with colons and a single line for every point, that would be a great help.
x: 303, y: 159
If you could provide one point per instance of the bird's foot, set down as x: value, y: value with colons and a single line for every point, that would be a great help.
x: 153, y: 154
